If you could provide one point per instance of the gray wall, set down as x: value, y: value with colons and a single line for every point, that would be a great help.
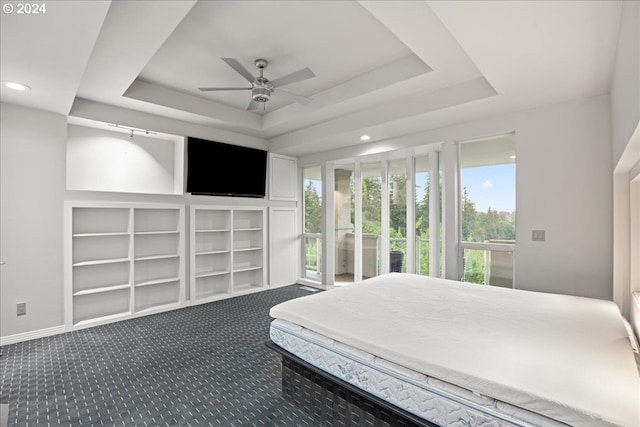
x: 32, y: 156
x: 33, y: 181
x: 563, y: 186
x: 625, y: 86
x: 564, y: 180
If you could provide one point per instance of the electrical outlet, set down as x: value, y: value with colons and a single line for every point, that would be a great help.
x: 538, y: 235
x: 21, y: 308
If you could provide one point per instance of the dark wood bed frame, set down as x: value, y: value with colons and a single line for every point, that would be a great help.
x: 336, y: 400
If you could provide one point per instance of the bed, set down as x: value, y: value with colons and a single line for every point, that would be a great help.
x: 428, y: 351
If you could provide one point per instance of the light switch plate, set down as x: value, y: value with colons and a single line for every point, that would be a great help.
x: 538, y: 235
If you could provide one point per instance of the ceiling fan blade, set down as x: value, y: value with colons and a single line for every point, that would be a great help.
x: 297, y: 76
x: 292, y: 96
x: 253, y: 105
x: 233, y: 63
x: 209, y: 89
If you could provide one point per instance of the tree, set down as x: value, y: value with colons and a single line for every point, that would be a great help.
x: 371, y: 205
x: 313, y: 209
x: 398, y: 205
x: 422, y: 213
x: 469, y: 219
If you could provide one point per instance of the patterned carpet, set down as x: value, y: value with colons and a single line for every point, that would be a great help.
x: 205, y: 365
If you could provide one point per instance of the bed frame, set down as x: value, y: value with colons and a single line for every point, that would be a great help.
x: 336, y: 400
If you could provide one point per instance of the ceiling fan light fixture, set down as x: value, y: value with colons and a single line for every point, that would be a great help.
x: 261, y: 94
x: 261, y: 87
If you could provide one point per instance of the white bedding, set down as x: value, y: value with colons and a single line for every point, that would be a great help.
x: 568, y: 358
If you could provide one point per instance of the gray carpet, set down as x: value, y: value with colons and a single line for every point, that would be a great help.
x: 197, y: 366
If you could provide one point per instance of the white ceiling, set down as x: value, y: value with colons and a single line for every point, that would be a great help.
x: 385, y: 68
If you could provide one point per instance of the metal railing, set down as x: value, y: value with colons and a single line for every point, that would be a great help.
x: 497, y: 262
x: 313, y: 255
x: 496, y: 268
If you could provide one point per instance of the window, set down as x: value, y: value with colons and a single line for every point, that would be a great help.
x: 427, y: 210
x: 313, y: 222
x: 398, y: 215
x: 344, y: 210
x: 488, y: 209
x: 371, y: 219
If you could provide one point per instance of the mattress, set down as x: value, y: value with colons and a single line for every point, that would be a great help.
x: 565, y: 358
x: 434, y: 400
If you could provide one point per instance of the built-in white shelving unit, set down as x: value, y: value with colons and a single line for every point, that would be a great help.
x: 122, y: 260
x: 228, y: 251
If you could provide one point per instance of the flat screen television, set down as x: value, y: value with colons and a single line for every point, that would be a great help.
x: 219, y: 169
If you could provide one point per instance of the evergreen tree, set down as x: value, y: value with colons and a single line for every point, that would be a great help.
x: 313, y: 209
x: 398, y: 205
x: 469, y: 219
x: 422, y: 213
x: 371, y: 205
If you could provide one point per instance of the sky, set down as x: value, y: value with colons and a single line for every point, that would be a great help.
x: 491, y: 186
x: 487, y: 186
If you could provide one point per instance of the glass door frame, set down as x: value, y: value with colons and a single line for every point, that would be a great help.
x: 328, y: 220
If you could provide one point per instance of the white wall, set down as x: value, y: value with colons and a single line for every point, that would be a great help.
x: 101, y: 160
x: 625, y: 134
x: 625, y: 85
x: 563, y: 184
x: 32, y: 158
x: 32, y: 166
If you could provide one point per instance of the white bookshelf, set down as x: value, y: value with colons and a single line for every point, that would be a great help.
x: 228, y: 251
x: 122, y: 260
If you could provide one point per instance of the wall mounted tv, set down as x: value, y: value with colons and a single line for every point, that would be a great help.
x: 219, y: 169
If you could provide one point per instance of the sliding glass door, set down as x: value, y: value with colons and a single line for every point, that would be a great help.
x: 367, y: 217
x: 344, y: 214
x: 371, y: 219
x: 428, y: 215
x: 398, y: 215
x: 312, y: 181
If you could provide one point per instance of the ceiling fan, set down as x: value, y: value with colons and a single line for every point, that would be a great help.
x: 261, y: 87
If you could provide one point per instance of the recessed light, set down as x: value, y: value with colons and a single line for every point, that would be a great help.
x: 365, y: 138
x: 512, y: 157
x: 16, y: 85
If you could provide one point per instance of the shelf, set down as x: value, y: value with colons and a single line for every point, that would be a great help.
x: 211, y: 273
x: 246, y: 268
x: 152, y: 257
x: 99, y: 290
x: 142, y: 233
x: 211, y: 252
x: 257, y: 248
x: 157, y: 281
x: 100, y: 262
x: 123, y: 259
x: 103, y: 319
x: 246, y: 287
x: 118, y: 233
x: 158, y: 308
x: 228, y: 246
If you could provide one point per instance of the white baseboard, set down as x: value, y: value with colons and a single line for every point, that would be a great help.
x: 47, y: 332
x: 32, y: 335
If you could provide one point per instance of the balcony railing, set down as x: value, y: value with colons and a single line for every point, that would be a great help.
x: 488, y: 263
x: 313, y: 255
